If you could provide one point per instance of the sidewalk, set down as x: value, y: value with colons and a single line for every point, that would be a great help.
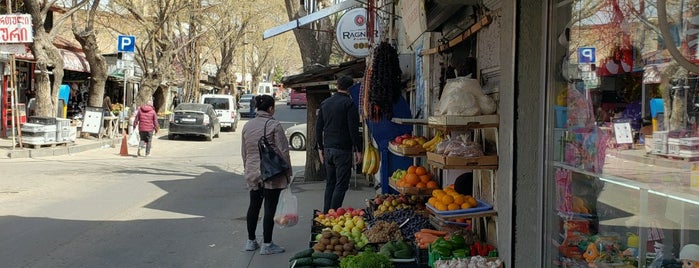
x: 80, y: 145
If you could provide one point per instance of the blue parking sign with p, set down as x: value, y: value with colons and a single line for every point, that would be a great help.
x: 126, y: 43
x: 586, y: 55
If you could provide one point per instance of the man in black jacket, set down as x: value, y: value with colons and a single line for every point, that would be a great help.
x: 337, y: 133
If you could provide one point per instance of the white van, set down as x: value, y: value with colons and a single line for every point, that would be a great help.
x: 226, y: 109
x: 266, y: 88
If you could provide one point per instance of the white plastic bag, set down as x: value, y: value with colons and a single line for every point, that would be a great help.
x: 287, y: 209
x: 134, y: 139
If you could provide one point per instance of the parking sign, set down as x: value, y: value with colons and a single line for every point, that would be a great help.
x: 126, y: 43
x: 586, y: 55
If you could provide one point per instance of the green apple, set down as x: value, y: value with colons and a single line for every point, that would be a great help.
x: 318, y: 237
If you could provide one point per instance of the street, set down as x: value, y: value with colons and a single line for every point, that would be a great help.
x: 184, y: 206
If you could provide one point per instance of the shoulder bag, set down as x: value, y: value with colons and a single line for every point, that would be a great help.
x: 271, y: 163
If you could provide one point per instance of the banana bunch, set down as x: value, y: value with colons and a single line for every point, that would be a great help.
x: 371, y: 161
x: 431, y: 145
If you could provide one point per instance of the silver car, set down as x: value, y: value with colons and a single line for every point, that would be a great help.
x: 244, y: 105
x: 297, y: 136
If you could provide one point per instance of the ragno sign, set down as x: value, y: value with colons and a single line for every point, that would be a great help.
x: 351, y: 33
x: 16, y: 28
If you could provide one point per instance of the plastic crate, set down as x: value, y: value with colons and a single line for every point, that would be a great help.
x: 659, y: 147
x: 422, y: 256
x: 660, y: 136
x: 62, y: 124
x: 673, y: 146
x: 42, y: 120
x: 38, y: 128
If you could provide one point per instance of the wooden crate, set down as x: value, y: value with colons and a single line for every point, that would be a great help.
x: 486, y: 160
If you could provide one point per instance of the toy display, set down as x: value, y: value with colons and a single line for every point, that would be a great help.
x: 689, y: 255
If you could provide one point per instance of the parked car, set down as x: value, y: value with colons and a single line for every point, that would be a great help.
x: 194, y: 119
x: 297, y: 136
x: 226, y: 109
x: 244, y: 105
x: 297, y: 99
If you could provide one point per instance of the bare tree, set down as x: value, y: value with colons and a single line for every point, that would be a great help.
x: 47, y: 55
x: 157, y: 52
x: 88, y: 40
x: 316, y: 47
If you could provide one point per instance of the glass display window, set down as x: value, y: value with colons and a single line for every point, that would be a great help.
x: 623, y: 117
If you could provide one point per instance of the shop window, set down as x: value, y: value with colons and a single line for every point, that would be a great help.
x: 623, y: 179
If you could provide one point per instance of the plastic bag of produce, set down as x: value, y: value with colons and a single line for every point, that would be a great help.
x: 464, y: 96
x: 287, y: 209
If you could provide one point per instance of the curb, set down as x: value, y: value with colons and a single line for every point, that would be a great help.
x: 62, y: 149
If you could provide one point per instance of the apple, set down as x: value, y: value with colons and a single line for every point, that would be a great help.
x: 406, y: 136
x: 361, y: 212
x: 340, y: 211
x: 331, y: 211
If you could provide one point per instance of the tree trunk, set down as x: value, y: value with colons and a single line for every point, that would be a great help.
x: 316, y: 47
x: 98, y: 68
x: 46, y: 54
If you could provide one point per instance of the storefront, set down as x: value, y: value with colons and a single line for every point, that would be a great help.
x: 621, y: 147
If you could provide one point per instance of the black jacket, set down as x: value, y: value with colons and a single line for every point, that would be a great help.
x: 337, y: 125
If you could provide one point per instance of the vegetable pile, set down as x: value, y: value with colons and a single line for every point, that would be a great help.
x: 308, y: 258
x: 366, y: 259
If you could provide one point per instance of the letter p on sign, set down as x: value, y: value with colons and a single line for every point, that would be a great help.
x: 586, y: 55
x: 126, y: 43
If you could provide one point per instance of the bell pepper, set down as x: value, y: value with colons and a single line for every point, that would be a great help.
x: 461, y: 253
x: 457, y: 241
x: 442, y: 251
x: 441, y: 242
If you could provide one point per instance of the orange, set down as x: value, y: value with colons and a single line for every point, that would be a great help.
x: 465, y: 205
x: 432, y: 185
x: 459, y: 199
x: 432, y: 201
x: 425, y: 178
x: 438, y: 193
x: 471, y: 201
x: 447, y: 199
x: 412, y: 179
x: 411, y: 170
x: 453, y: 206
x: 441, y: 206
x: 420, y: 171
x: 420, y: 185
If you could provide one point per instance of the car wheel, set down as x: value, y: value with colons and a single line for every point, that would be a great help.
x: 170, y: 136
x: 210, y: 137
x: 298, y: 142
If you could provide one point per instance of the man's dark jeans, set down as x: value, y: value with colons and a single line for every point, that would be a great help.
x: 338, y: 166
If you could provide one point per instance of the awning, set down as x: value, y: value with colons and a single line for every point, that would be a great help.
x: 72, y: 61
x: 274, y: 31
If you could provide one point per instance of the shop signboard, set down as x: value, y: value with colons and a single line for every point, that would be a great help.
x: 351, y: 32
x: 16, y: 28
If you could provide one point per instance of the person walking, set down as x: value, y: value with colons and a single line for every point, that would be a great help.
x: 266, y: 192
x: 337, y: 135
x: 147, y: 122
x: 253, y: 103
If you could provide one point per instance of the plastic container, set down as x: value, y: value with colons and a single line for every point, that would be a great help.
x: 561, y: 116
x: 656, y: 106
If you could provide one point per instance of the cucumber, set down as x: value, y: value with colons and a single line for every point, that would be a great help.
x: 324, y: 262
x: 302, y: 254
x: 331, y: 256
x: 305, y: 261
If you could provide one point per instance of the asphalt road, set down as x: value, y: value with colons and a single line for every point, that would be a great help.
x: 182, y: 207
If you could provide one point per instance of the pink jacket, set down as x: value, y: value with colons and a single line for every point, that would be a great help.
x: 252, y: 131
x: 146, y: 119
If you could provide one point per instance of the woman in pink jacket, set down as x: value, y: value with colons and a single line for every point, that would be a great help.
x: 267, y: 191
x: 147, y: 122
